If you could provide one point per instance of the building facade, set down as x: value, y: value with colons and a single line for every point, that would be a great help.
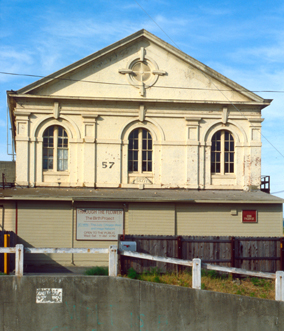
x: 139, y: 118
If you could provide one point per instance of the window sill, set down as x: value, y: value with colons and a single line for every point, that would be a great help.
x: 219, y: 176
x: 55, y: 173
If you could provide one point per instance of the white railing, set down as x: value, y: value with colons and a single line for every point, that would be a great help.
x: 197, y: 265
x: 19, y: 250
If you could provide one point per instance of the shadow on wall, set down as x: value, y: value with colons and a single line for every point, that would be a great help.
x: 42, y: 263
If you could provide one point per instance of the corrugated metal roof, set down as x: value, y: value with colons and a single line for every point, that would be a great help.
x: 135, y: 195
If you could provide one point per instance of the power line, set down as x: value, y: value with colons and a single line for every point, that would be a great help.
x: 208, y: 77
x: 277, y: 192
x: 155, y: 86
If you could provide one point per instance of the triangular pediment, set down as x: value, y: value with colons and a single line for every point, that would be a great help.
x: 141, y: 66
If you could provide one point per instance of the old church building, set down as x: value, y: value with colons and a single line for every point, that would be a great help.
x: 137, y: 138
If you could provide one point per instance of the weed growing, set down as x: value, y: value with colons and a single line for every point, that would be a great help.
x: 97, y: 271
x: 212, y: 281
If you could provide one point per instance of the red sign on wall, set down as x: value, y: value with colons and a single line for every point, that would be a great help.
x: 249, y: 216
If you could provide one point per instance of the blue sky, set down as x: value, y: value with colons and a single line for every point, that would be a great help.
x: 243, y: 40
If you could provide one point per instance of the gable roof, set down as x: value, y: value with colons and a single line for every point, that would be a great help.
x: 207, y: 71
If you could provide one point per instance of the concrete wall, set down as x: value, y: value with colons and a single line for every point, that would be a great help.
x: 106, y: 303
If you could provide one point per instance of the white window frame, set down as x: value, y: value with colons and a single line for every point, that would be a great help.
x: 140, y: 153
x: 56, y: 149
x: 222, y: 154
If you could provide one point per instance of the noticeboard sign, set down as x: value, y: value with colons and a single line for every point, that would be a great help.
x: 249, y: 216
x: 99, y: 223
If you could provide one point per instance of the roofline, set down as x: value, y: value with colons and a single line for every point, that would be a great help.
x: 151, y: 199
x: 142, y: 33
x: 11, y: 94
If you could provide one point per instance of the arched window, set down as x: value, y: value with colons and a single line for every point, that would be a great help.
x: 222, y: 153
x: 140, y: 151
x: 55, y: 149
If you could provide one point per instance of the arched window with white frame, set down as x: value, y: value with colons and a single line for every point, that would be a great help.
x: 55, y: 149
x: 222, y: 153
x: 140, y: 151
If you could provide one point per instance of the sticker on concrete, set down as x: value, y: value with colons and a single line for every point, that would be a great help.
x: 49, y: 295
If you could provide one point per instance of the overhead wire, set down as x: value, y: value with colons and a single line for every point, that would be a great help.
x: 155, y: 86
x: 208, y: 77
x: 170, y: 87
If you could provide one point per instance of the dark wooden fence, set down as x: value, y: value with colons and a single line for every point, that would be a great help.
x: 250, y: 253
x: 13, y: 242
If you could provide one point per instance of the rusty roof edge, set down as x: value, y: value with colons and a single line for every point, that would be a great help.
x: 142, y: 199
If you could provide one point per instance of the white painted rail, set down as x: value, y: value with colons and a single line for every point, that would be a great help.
x: 66, y: 250
x: 197, y: 264
x: 19, y: 250
x: 156, y: 258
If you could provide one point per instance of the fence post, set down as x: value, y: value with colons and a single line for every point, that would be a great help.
x: 282, y: 253
x: 112, y: 267
x: 232, y: 252
x: 19, y: 263
x: 279, y: 286
x: 6, y: 255
x: 179, y: 251
x: 196, y: 273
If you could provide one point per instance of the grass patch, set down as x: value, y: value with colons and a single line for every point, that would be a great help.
x: 97, y: 271
x: 212, y: 281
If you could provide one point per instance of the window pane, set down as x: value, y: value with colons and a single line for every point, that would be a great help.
x: 144, y: 156
x: 150, y: 156
x: 231, y: 157
x: 144, y: 144
x: 50, y: 164
x: 226, y: 146
x: 135, y: 144
x: 60, y: 165
x: 65, y: 164
x: 135, y: 156
x: 232, y: 146
x: 217, y: 167
x: 150, y: 166
x: 135, y: 166
x: 226, y: 167
x: 150, y: 144
x: 231, y: 167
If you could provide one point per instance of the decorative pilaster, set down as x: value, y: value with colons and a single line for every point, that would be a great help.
x: 192, y: 151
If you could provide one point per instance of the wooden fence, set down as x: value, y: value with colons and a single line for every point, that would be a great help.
x: 13, y: 242
x: 249, y: 253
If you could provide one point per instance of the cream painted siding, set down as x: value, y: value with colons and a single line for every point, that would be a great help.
x: 217, y: 220
x: 151, y: 218
x: 45, y: 224
x: 9, y: 216
x: 92, y: 259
